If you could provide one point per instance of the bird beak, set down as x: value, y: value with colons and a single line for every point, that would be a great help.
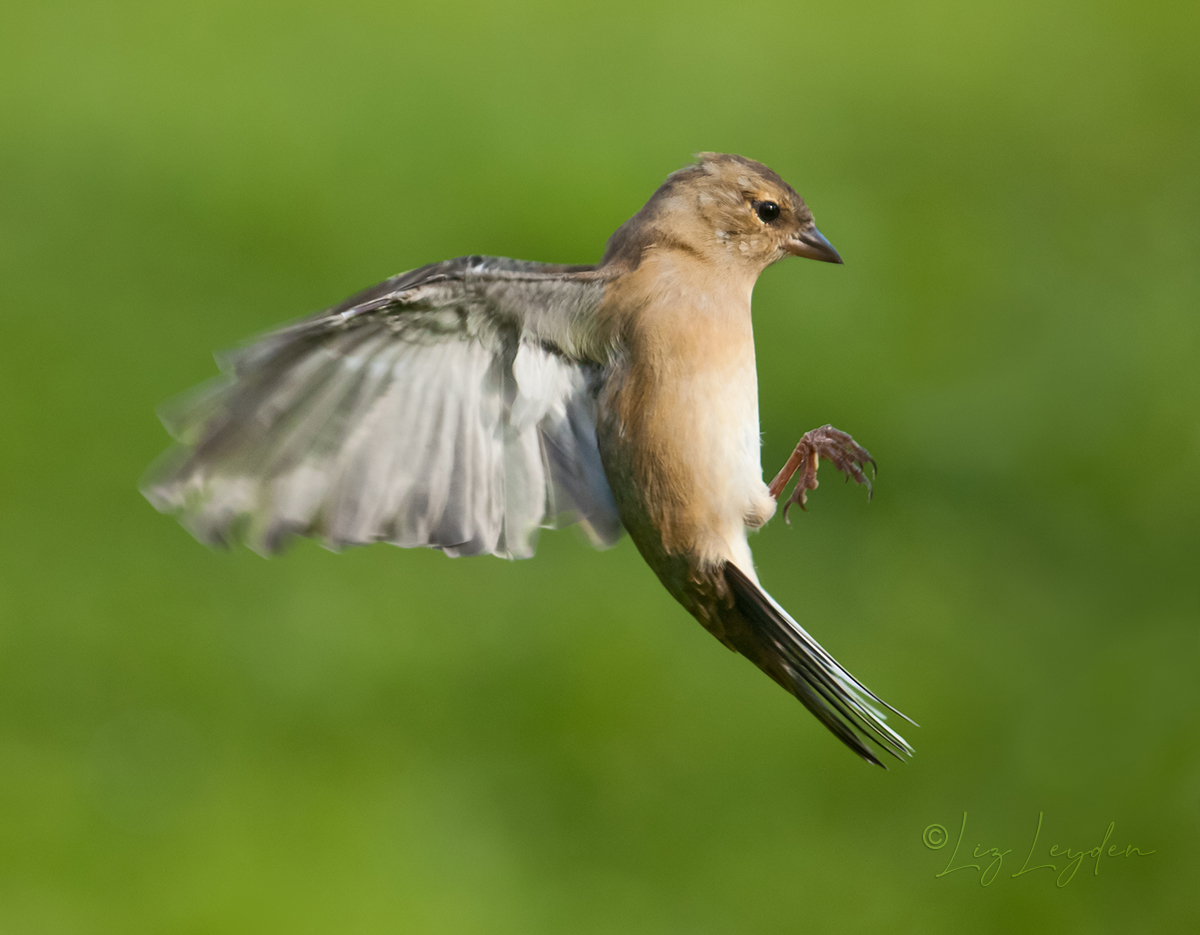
x: 811, y: 243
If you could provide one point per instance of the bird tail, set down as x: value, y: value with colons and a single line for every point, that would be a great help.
x: 777, y: 644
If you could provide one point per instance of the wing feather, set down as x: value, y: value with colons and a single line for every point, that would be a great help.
x: 435, y: 409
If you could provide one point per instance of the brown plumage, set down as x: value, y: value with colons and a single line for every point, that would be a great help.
x: 465, y: 404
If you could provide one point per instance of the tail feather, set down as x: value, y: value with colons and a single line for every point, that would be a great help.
x: 785, y: 651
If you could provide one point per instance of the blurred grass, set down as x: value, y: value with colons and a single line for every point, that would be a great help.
x: 392, y: 741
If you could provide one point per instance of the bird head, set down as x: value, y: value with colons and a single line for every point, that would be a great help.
x: 728, y: 210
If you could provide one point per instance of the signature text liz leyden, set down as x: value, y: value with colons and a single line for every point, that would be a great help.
x: 935, y: 838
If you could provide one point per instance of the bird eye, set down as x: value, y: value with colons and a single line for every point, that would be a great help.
x: 767, y: 211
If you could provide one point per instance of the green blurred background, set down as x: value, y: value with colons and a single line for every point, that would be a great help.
x: 392, y: 741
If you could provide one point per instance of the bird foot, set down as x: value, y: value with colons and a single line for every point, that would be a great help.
x: 847, y: 455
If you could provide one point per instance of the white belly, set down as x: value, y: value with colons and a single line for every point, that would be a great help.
x: 726, y: 449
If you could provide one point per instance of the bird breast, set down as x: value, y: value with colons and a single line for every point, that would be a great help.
x: 679, y: 431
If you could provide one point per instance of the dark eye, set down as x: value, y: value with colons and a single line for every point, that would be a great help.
x: 767, y: 211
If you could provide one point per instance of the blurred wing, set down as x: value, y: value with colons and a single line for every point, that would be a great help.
x: 441, y: 408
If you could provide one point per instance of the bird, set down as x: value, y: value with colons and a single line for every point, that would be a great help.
x: 467, y: 404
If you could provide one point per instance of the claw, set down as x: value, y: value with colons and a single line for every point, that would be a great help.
x: 847, y: 455
x: 787, y: 506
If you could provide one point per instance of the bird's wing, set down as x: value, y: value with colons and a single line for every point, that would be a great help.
x: 447, y: 407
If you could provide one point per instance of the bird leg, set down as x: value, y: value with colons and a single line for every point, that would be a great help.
x: 847, y: 455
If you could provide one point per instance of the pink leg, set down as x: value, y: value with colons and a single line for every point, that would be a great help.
x: 847, y: 455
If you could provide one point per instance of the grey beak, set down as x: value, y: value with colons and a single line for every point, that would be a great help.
x: 811, y: 243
